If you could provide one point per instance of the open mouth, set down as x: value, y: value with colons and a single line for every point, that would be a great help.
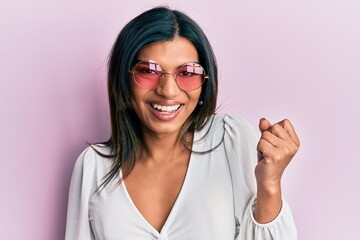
x: 165, y: 109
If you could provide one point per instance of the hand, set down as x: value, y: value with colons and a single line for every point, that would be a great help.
x: 277, y: 146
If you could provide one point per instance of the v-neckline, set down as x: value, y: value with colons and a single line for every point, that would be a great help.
x: 177, y: 200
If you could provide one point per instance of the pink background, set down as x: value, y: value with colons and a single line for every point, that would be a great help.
x: 280, y: 58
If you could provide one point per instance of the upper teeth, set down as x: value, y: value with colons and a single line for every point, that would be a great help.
x: 166, y: 108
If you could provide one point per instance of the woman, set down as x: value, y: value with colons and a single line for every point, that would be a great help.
x: 172, y: 169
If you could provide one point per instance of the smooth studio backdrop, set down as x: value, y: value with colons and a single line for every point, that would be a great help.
x: 277, y: 59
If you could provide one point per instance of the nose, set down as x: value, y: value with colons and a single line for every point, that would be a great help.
x: 168, y: 87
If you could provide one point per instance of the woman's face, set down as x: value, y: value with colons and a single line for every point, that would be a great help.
x: 164, y: 109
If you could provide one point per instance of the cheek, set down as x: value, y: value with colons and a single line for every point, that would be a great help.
x: 135, y: 93
x: 195, y: 96
x: 134, y: 98
x: 137, y: 96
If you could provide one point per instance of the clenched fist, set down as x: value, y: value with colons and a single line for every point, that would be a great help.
x: 277, y: 146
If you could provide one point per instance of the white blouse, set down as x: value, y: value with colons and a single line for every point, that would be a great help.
x: 215, y: 202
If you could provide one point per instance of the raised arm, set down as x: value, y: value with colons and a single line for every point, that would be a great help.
x: 277, y: 146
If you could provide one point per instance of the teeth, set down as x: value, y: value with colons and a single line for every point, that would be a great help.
x: 166, y: 108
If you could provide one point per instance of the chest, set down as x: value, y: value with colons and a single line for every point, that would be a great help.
x: 154, y: 190
x: 200, y: 207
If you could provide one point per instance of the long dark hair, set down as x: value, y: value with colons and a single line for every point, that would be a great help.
x: 154, y: 25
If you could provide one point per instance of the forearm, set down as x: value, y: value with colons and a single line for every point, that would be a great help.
x: 268, y: 203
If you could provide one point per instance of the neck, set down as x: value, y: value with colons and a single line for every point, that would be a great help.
x: 162, y: 148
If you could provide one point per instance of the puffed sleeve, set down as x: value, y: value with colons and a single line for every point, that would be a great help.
x: 240, y: 145
x: 81, y: 188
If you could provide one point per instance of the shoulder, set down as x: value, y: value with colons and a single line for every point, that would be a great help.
x: 238, y: 126
x: 90, y: 163
x: 91, y: 155
x: 226, y: 128
x: 88, y: 172
x: 220, y: 124
x: 233, y: 121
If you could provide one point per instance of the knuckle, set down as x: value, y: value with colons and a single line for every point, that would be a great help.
x: 260, y: 143
x: 278, y: 157
x: 276, y: 126
x: 295, y: 149
x: 266, y: 134
x: 287, y: 151
x: 286, y: 121
x: 287, y: 124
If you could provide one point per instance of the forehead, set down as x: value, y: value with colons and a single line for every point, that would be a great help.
x: 170, y: 54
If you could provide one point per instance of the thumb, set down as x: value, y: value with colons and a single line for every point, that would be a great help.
x: 264, y: 124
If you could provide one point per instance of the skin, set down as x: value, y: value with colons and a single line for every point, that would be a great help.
x: 170, y: 55
x: 277, y: 146
x: 160, y: 170
x: 159, y: 173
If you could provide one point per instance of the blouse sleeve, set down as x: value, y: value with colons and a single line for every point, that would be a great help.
x: 81, y: 188
x: 240, y: 145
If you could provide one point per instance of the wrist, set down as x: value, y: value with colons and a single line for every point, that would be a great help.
x: 269, y: 189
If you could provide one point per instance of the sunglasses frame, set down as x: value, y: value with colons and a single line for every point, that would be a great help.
x: 162, y: 73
